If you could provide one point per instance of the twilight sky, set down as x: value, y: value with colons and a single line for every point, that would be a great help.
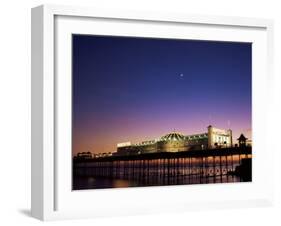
x: 134, y: 89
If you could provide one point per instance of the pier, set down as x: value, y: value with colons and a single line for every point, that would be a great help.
x: 168, y: 168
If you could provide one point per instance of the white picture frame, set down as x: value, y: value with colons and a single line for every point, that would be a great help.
x: 52, y: 197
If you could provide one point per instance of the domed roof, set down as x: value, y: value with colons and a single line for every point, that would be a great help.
x: 174, y: 136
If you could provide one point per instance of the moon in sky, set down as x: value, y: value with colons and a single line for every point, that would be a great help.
x: 181, y: 75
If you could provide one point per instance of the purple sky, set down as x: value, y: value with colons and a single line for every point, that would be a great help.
x: 134, y: 89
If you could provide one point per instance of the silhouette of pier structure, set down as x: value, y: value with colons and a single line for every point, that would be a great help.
x: 168, y: 168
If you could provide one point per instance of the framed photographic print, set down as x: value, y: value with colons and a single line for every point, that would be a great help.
x: 137, y: 112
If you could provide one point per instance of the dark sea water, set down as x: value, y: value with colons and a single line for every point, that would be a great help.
x: 89, y: 182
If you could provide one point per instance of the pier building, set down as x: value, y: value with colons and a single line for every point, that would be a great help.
x: 177, y: 142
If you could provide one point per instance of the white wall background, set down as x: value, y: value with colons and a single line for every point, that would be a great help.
x: 15, y: 111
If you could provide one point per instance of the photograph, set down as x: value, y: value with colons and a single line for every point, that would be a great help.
x: 150, y: 111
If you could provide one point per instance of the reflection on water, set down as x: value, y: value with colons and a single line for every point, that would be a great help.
x: 91, y: 182
x: 85, y: 182
x: 156, y: 173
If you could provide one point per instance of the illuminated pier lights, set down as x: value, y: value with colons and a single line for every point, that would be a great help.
x: 176, y: 142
